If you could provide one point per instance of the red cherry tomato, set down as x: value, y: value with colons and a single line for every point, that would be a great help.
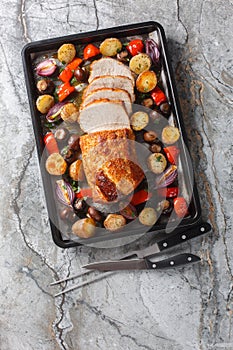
x: 90, y: 51
x: 180, y: 207
x: 135, y: 46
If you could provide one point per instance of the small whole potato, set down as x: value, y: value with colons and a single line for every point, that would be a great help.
x: 170, y: 134
x: 69, y: 113
x: 55, y: 164
x: 84, y: 228
x: 44, y: 103
x: 110, y: 47
x: 76, y: 171
x: 66, y: 53
x: 157, y: 163
x: 148, y: 216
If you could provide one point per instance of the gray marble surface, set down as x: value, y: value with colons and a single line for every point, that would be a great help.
x: 185, y: 309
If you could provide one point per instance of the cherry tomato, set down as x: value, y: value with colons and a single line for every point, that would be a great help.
x: 90, y: 51
x: 51, y: 143
x: 169, y: 192
x: 172, y: 153
x: 180, y: 207
x: 135, y: 46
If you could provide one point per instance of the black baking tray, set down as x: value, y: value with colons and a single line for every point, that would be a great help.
x: 144, y: 28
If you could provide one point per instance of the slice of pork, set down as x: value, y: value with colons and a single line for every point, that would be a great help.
x: 114, y: 82
x: 109, y: 94
x: 109, y: 66
x: 103, y: 115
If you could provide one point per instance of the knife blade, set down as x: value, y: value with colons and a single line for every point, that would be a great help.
x: 169, y: 242
x: 143, y: 264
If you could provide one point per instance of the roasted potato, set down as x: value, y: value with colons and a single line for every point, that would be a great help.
x: 69, y: 113
x: 55, y: 164
x: 139, y: 120
x: 146, y: 81
x: 44, y: 103
x: 140, y: 63
x: 110, y: 47
x: 66, y: 53
x: 76, y: 171
x: 114, y: 222
x: 170, y: 134
x: 148, y: 217
x: 84, y: 228
x: 157, y: 163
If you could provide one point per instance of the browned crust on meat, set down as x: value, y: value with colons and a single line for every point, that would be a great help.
x: 111, y: 153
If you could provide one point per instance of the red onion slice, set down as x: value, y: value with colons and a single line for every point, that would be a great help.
x: 152, y: 50
x: 54, y: 112
x: 46, y: 68
x: 167, y: 178
x: 64, y: 193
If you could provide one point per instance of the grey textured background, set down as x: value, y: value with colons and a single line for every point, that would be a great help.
x: 186, y: 309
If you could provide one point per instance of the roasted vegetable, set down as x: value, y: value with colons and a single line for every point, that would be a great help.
x: 44, y: 103
x: 152, y: 50
x: 46, y: 68
x: 73, y: 142
x: 54, y: 113
x: 165, y: 109
x: 94, y: 214
x: 158, y: 96
x: 165, y: 206
x: 147, y: 102
x: 114, y: 222
x: 66, y: 53
x: 129, y: 212
x: 169, y: 192
x: 55, y: 164
x: 146, y: 81
x: 80, y: 74
x: 64, y: 90
x: 140, y: 197
x: 69, y: 113
x: 155, y: 147
x: 180, y: 207
x: 45, y: 86
x: 61, y: 134
x: 140, y: 63
x: 122, y: 56
x: 84, y: 228
x: 172, y: 153
x: 148, y: 217
x: 64, y: 192
x: 51, y: 143
x: 168, y: 177
x: 90, y: 51
x: 170, y: 134
x: 157, y: 163
x: 110, y: 47
x: 76, y: 171
x: 65, y: 75
x: 150, y: 136
x: 139, y: 120
x: 135, y: 46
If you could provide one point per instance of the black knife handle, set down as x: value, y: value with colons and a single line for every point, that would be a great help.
x: 174, y: 261
x: 183, y: 236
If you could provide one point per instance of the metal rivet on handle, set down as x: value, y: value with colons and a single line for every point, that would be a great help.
x: 164, y: 244
x: 189, y: 258
x: 154, y: 266
x: 202, y: 229
x: 172, y: 263
x: 183, y: 237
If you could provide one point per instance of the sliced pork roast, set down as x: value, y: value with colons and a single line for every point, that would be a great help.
x: 109, y: 66
x: 109, y: 161
x: 114, y: 82
x: 109, y: 94
x: 103, y: 115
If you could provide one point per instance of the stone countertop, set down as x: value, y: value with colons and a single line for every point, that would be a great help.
x: 186, y: 309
